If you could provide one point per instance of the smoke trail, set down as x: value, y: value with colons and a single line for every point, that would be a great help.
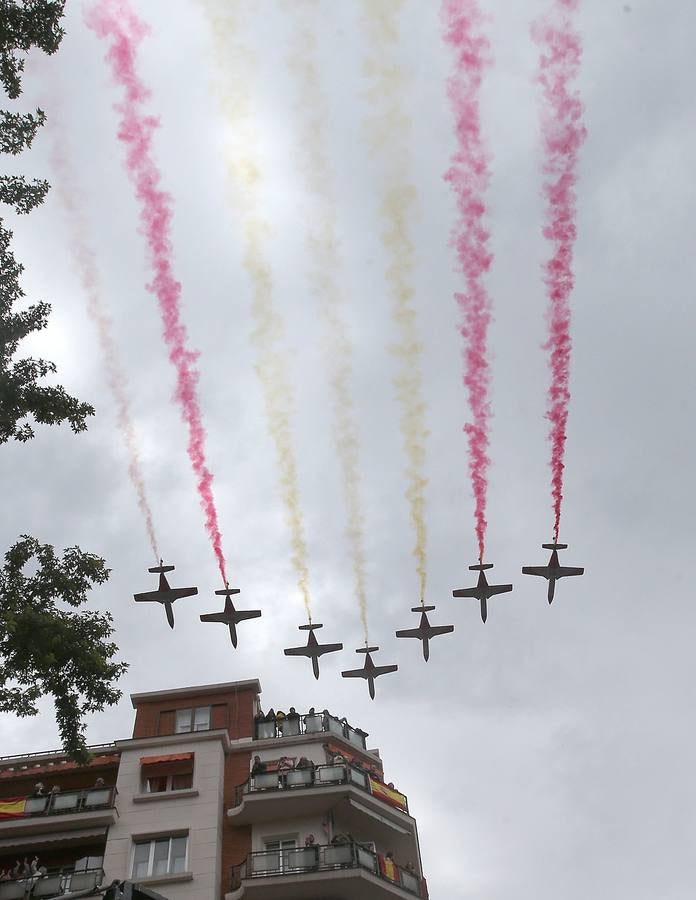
x: 73, y: 205
x: 247, y: 180
x: 115, y: 21
x: 387, y: 131
x: 563, y: 134
x: 469, y: 177
x: 322, y: 242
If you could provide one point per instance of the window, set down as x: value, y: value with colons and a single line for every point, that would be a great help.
x: 88, y: 862
x: 278, y: 856
x: 158, y: 784
x: 197, y: 719
x: 162, y: 856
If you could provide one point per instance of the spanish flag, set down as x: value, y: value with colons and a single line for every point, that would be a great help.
x: 12, y: 807
x: 389, y: 795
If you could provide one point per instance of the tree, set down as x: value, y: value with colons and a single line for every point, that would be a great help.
x: 46, y: 648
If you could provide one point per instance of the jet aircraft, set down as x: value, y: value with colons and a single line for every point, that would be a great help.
x: 230, y: 616
x: 369, y: 671
x: 425, y: 630
x: 554, y: 570
x: 483, y: 590
x: 313, y: 649
x: 165, y: 594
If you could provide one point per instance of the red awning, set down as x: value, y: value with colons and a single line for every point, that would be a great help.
x: 172, y: 757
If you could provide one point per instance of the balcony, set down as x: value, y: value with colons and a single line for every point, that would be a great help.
x: 317, y: 777
x: 62, y: 811
x: 54, y: 883
x: 311, y: 723
x: 305, y: 873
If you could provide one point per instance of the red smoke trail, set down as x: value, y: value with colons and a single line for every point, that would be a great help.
x: 563, y: 134
x: 116, y: 21
x: 469, y: 176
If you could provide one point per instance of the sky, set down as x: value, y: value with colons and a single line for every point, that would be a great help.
x: 548, y: 752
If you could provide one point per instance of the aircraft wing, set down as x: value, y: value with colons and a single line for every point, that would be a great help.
x: 297, y: 651
x: 536, y: 570
x: 466, y: 592
x: 498, y: 589
x: 411, y: 632
x: 247, y: 614
x: 213, y: 617
x: 154, y: 596
x: 570, y: 570
x: 328, y: 648
x: 383, y: 670
x: 354, y: 673
x: 178, y: 593
x: 440, y: 629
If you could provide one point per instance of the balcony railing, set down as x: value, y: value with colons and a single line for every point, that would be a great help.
x: 311, y: 723
x: 53, y: 884
x: 64, y: 803
x: 319, y: 776
x: 325, y: 858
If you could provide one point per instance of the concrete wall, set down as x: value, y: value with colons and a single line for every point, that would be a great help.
x: 161, y: 814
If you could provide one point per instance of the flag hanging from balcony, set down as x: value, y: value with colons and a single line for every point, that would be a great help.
x: 389, y: 795
x: 12, y: 807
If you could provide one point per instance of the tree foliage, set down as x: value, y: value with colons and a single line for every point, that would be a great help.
x: 48, y: 646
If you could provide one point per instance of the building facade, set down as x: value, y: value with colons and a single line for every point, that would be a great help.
x: 211, y: 799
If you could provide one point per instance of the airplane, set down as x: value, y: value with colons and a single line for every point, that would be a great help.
x: 313, y: 649
x: 369, y: 671
x: 554, y: 570
x: 483, y: 590
x: 425, y: 630
x: 165, y: 594
x: 230, y: 616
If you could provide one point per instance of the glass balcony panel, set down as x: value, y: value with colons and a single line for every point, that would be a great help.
x: 265, y: 730
x: 299, y: 777
x: 302, y: 858
x: 65, y: 801
x: 291, y: 726
x: 97, y: 797
x: 265, y: 862
x: 335, y: 726
x: 82, y: 881
x: 410, y: 882
x: 355, y: 738
x: 313, y: 724
x: 357, y: 777
x: 35, y: 805
x: 50, y: 886
x: 265, y: 780
x: 12, y: 890
x: 366, y: 859
x: 331, y: 774
x: 338, y: 855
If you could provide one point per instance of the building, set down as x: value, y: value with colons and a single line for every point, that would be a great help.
x: 208, y: 800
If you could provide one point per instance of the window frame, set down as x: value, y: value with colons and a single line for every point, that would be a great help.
x: 192, y: 710
x: 169, y: 779
x: 152, y: 842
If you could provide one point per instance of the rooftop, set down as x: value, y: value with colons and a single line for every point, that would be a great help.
x: 197, y: 690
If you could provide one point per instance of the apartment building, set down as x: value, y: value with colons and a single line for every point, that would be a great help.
x: 211, y: 799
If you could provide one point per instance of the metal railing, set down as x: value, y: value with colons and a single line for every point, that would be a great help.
x: 94, y: 749
x: 310, y: 723
x: 53, y: 884
x: 66, y: 802
x: 324, y: 858
x: 317, y: 776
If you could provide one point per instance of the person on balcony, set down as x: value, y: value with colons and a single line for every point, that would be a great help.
x: 39, y: 790
x: 259, y: 767
x: 304, y: 763
x: 280, y: 721
x: 99, y: 784
x: 5, y: 875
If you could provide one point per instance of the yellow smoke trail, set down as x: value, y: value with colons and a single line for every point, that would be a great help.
x: 387, y: 128
x: 238, y: 65
x: 322, y: 241
x: 73, y: 206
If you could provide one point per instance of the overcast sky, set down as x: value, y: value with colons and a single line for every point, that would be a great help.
x: 548, y: 753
